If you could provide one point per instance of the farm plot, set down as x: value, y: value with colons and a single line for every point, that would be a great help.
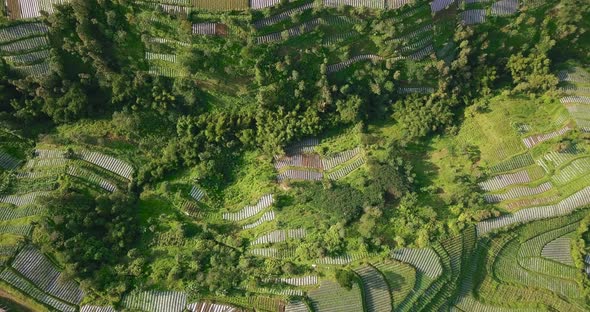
x: 473, y: 16
x: 43, y: 274
x: 250, y: 211
x: 156, y: 301
x: 517, y: 192
x: 396, y: 4
x: 505, y: 7
x: 40, y: 69
x: 291, y: 32
x: 308, y: 280
x: 91, y: 308
x: 555, y: 159
x: 278, y: 236
x: 92, y: 178
x: 27, y: 58
x: 266, y: 217
x: 439, y: 5
x: 21, y: 200
x: 536, y: 139
x: 355, y: 59
x: 574, y: 75
x: 302, y: 147
x: 11, y: 213
x: 293, y: 174
x: 559, y: 250
x: 340, y: 158
x: 275, y: 19
x: 422, y: 53
x: 296, y: 306
x: 566, y: 206
x: 109, y: 163
x: 8, y: 162
x: 373, y: 4
x: 30, y: 290
x: 575, y: 169
x: 575, y: 99
x: 425, y: 260
x: 343, y: 259
x: 20, y: 46
x: 377, y: 293
x: 513, y: 163
x: 263, y: 4
x: 312, y: 161
x: 416, y: 90
x: 204, y: 306
x: 21, y: 31
x: 501, y: 181
x: 272, y: 252
x: 196, y: 193
x: 331, y: 297
x: 347, y: 169
x: 20, y: 230
x: 529, y: 202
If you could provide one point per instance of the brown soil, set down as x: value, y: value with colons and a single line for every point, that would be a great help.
x: 13, y: 9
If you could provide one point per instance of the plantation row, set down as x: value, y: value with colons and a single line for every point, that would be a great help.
x: 211, y: 307
x: 416, y: 90
x: 331, y: 297
x: 28, y: 58
x: 196, y: 193
x: 39, y: 69
x: 439, y: 5
x: 501, y: 181
x: 555, y: 159
x: 575, y: 76
x: 22, y: 31
x: 342, y: 260
x: 377, y: 294
x: 209, y: 29
x: 358, y: 58
x: 559, y: 250
x: 278, y: 236
x: 299, y: 281
x: 21, y: 200
x: 30, y: 290
x: 21, y: 46
x: 300, y: 175
x: 8, y: 162
x: 473, y: 16
x: 515, y: 162
x: 426, y: 29
x: 275, y: 19
x: 302, y: 147
x: 340, y: 158
x: 575, y: 90
x: 20, y: 230
x: 272, y: 252
x: 89, y: 308
x: 566, y: 206
x: 7, y: 214
x: 300, y: 160
x: 92, y: 178
x: 517, y: 192
x: 346, y: 170
x: 43, y: 274
x: 109, y: 163
x: 160, y: 56
x: 266, y: 217
x: 528, y: 202
x: 536, y: 139
x: 575, y: 99
x: 426, y: 260
x: 250, y: 211
x: 505, y: 7
x: 156, y: 301
x: 291, y: 32
x: 296, y: 306
x: 421, y: 54
x: 572, y: 171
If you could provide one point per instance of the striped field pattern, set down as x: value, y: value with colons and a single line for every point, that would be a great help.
x: 415, y: 90
x: 577, y: 75
x: 505, y: 7
x: 196, y: 193
x: 39, y: 69
x: 396, y: 4
x: 566, y: 206
x: 262, y: 4
x: 296, y: 306
x: 26, y: 287
x: 21, y: 200
x: 250, y: 211
x: 299, y: 281
x: 38, y: 269
x: 331, y: 297
x: 8, y: 162
x: 11, y: 213
x: 24, y: 45
x: 575, y: 169
x: 281, y: 16
x: 266, y: 217
x: 439, y: 5
x: 295, y: 31
x: 559, y: 250
x: 536, y: 139
x: 293, y: 174
x: 473, y: 16
x: 342, y: 260
x: 278, y: 236
x: 20, y: 230
x: 90, y: 308
x: 355, y: 59
x: 156, y: 301
x: 340, y: 158
x: 92, y: 178
x: 347, y: 169
x: 517, y: 192
x: 209, y: 29
x: 515, y: 162
x: 27, y: 58
x: 21, y: 31
x: 109, y: 163
x: 373, y: 4
x: 203, y: 306
x: 377, y: 294
x: 422, y: 53
x: 501, y: 181
x: 575, y: 99
x: 426, y: 260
